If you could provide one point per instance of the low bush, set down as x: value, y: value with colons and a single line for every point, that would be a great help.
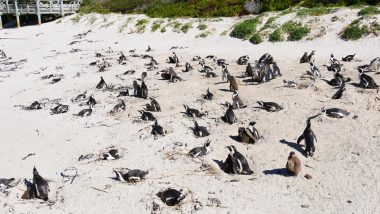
x: 245, y: 28
x: 296, y: 30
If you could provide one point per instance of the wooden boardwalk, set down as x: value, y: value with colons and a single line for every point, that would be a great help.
x: 37, y: 7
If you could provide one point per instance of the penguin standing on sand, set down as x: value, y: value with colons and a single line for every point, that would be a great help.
x: 200, y: 151
x: 188, y: 67
x: 276, y: 70
x: 249, y: 72
x: 335, y: 112
x: 119, y: 107
x: 157, y: 129
x: 314, y: 70
x: 236, y: 101
x: 333, y: 60
x: 311, y: 57
x: 91, y: 101
x: 239, y: 162
x: 229, y: 116
x: 225, y: 73
x: 304, y: 58
x: 293, y: 165
x: 234, y: 86
x: 208, y: 95
x: 132, y: 176
x: 136, y: 89
x: 41, y: 185
x: 144, y: 90
x: 153, y: 106
x: 309, y: 137
x: 101, y: 84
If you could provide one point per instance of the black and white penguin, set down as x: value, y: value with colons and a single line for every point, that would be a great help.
x: 91, y: 101
x: 208, y: 95
x: 119, y: 107
x: 335, y: 112
x: 338, y: 94
x: 132, y: 176
x: 229, y: 116
x: 333, y: 60
x: 35, y: 106
x: 144, y: 90
x: 197, y: 58
x: 254, y: 131
x: 339, y: 80
x: 240, y: 163
x: 221, y: 62
x: 243, y: 60
x: 225, y: 73
x: 266, y: 59
x: 314, y: 70
x: 153, y: 106
x: 200, y: 131
x: 188, y: 67
x: 81, y: 97
x: 210, y: 74
x: 249, y: 135
x: 200, y: 151
x: 191, y: 112
x: 86, y: 112
x: 144, y: 75
x: 5, y: 182
x: 136, y: 89
x: 59, y: 109
x: 147, y: 116
x: 112, y: 154
x: 172, y: 197
x: 173, y: 59
x: 276, y: 70
x: 309, y: 137
x: 249, y: 72
x: 101, y: 84
x: 41, y: 185
x: 291, y: 84
x: 349, y: 58
x: 205, y: 68
x: 123, y: 93
x: 366, y: 81
x: 157, y: 129
x: 311, y: 57
x: 122, y: 58
x: 270, y: 106
x: 237, y: 102
x: 304, y: 58
x: 149, y: 49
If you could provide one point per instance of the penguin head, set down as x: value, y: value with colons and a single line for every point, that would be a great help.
x: 35, y: 172
x: 252, y: 123
x: 230, y: 150
x: 207, y: 144
x: 261, y: 103
x: 233, y: 148
x: 186, y: 107
x: 156, y: 123
x: 323, y: 109
x: 332, y: 55
x: 291, y: 154
x: 361, y: 71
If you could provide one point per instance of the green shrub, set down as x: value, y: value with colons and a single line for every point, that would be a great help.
x: 295, y: 30
x: 186, y: 27
x: 156, y: 25
x: 369, y: 11
x: 141, y: 25
x: 276, y: 36
x: 316, y: 11
x: 256, y: 39
x: 245, y: 28
x: 202, y: 26
x: 269, y: 23
x: 334, y: 18
x: 352, y: 32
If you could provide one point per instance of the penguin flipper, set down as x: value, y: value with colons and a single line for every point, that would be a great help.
x: 302, y: 137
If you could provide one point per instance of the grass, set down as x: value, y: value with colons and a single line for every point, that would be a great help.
x: 124, y: 25
x: 91, y: 20
x: 334, y: 18
x: 202, y: 26
x: 203, y: 34
x: 316, y: 11
x: 368, y: 11
x: 76, y: 19
x: 245, y: 29
x: 354, y: 31
x: 276, y: 36
x: 186, y: 27
x: 269, y: 23
x: 141, y: 25
x: 256, y: 39
x: 106, y: 25
x: 295, y: 30
x: 157, y: 24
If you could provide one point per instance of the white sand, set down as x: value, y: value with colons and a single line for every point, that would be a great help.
x: 345, y: 167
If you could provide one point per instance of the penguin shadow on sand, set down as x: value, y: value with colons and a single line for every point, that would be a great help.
x: 295, y: 146
x: 219, y: 163
x: 279, y: 171
x: 235, y: 138
x: 225, y: 90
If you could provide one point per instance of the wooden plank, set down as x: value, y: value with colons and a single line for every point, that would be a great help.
x: 17, y: 15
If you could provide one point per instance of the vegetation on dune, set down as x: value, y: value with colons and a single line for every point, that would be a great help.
x: 245, y: 29
x: 256, y: 39
x: 276, y: 36
x: 295, y: 30
x: 369, y: 11
x: 156, y: 25
x: 316, y: 11
x: 202, y: 26
x: 208, y: 8
x: 356, y: 30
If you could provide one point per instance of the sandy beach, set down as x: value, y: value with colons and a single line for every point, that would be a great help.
x: 345, y: 168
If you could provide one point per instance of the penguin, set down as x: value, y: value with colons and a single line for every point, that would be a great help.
x: 153, y: 106
x: 253, y: 130
x: 157, y: 129
x: 270, y: 106
x: 239, y: 162
x: 119, y: 107
x: 205, y: 68
x: 147, y: 116
x: 143, y: 75
x: 81, y: 97
x: 136, y: 89
x: 374, y: 66
x: 200, y: 151
x: 335, y: 112
x: 122, y: 58
x: 144, y: 90
x: 132, y: 176
x: 291, y: 84
x: 172, y: 197
x: 333, y: 60
x: 112, y: 154
x: 41, y: 186
x: 229, y: 116
x: 234, y: 86
x: 101, y: 84
x: 349, y: 58
x: 123, y: 93
x: 35, y: 106
x: 339, y: 93
x: 149, y: 49
x: 191, y: 112
x: 276, y: 70
x: 5, y: 182
x: 200, y: 131
x: 304, y: 58
x: 196, y: 58
x: 91, y: 101
x: 243, y: 60
x: 173, y: 59
x: 366, y: 81
x: 225, y: 73
x: 293, y: 165
x: 311, y: 57
x: 249, y: 72
x: 332, y: 67
x: 129, y: 72
x: 86, y: 112
x: 188, y: 67
x: 221, y: 62
x: 314, y: 71
x: 236, y: 101
x: 208, y: 95
x: 60, y: 109
x: 309, y: 137
x: 266, y: 59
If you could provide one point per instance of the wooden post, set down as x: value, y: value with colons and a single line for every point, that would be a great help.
x: 62, y: 12
x: 50, y: 6
x: 17, y: 15
x: 38, y: 11
x: 6, y: 2
x: 1, y: 23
